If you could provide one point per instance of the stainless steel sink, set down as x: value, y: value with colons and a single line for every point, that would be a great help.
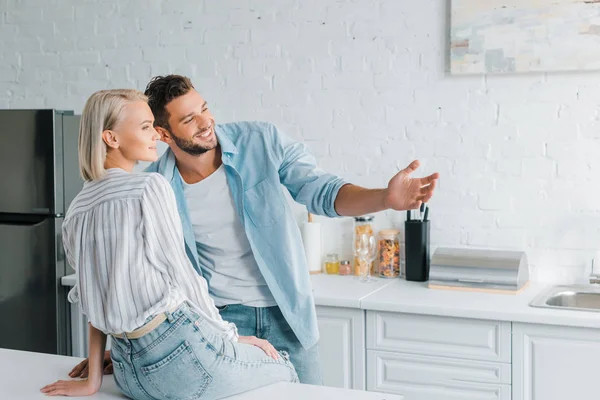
x: 572, y: 297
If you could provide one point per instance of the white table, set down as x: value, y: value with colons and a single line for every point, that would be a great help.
x: 23, y: 374
x: 291, y: 391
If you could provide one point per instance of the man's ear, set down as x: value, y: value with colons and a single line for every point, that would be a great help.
x: 165, y: 136
x: 110, y: 139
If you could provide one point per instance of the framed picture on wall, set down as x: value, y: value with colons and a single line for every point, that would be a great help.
x: 508, y: 36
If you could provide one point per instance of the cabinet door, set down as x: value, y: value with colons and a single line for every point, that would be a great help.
x: 555, y: 363
x: 437, y: 378
x: 342, y: 346
x: 463, y: 338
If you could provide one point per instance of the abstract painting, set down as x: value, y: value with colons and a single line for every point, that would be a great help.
x: 506, y: 36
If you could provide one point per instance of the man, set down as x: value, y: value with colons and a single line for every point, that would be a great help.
x: 240, y: 233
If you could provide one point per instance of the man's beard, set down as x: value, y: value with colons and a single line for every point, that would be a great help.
x: 190, y: 147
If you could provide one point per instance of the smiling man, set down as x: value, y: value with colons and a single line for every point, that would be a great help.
x: 239, y: 230
x: 240, y: 233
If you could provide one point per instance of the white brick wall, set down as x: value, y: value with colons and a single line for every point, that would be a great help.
x: 364, y: 84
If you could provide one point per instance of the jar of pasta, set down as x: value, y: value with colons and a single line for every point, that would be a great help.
x: 363, y: 224
x: 389, y: 253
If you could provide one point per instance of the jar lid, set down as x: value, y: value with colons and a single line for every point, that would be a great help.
x: 389, y: 232
x: 364, y: 218
x: 344, y: 262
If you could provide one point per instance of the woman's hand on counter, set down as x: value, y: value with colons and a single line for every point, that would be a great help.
x: 81, y: 369
x: 71, y: 388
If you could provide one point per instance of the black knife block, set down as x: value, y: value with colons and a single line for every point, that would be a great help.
x: 416, y: 247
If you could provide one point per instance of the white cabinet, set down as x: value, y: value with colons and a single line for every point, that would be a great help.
x: 555, y: 363
x: 426, y: 357
x: 342, y: 346
x: 437, y: 378
x: 463, y: 338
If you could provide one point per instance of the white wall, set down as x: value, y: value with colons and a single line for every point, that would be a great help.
x: 363, y: 82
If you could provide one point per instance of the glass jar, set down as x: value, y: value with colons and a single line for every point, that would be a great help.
x: 363, y: 224
x: 345, y: 267
x: 389, y: 253
x: 332, y: 264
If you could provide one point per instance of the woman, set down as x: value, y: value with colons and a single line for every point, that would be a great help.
x: 123, y: 236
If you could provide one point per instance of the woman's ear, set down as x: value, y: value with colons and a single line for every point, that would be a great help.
x: 110, y: 139
x: 164, y: 134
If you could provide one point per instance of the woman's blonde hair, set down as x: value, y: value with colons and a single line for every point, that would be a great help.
x: 102, y: 111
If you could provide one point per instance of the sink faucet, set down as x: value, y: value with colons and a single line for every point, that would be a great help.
x: 594, y: 278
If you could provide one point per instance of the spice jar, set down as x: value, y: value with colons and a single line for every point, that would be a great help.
x: 389, y: 253
x: 332, y: 263
x: 345, y: 267
x: 363, y: 224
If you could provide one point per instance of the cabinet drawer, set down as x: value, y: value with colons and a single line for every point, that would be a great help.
x: 437, y: 378
x: 439, y: 336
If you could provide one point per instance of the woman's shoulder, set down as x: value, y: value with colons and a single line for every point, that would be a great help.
x: 156, y: 185
x: 116, y: 188
x: 142, y: 180
x: 155, y: 179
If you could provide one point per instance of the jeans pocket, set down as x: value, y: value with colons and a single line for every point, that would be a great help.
x: 179, y: 375
x: 121, y: 378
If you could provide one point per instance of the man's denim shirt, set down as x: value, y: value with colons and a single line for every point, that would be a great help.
x: 258, y: 159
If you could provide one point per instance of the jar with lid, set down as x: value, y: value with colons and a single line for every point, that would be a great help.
x: 345, y: 267
x: 389, y: 253
x: 362, y: 225
x: 332, y: 264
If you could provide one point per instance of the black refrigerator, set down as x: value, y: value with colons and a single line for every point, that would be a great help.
x: 39, y: 177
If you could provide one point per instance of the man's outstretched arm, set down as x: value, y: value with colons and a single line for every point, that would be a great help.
x: 402, y: 193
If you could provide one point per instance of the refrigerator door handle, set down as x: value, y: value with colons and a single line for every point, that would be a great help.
x: 60, y: 250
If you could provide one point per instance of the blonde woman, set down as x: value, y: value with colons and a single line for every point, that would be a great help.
x: 123, y: 236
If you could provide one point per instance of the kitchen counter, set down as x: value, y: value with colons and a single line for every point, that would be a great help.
x: 344, y: 291
x: 398, y: 295
x: 417, y: 298
x: 68, y: 280
x: 22, y: 374
x: 329, y: 290
x: 291, y: 391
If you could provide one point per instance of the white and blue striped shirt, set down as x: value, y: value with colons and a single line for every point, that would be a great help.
x: 123, y: 236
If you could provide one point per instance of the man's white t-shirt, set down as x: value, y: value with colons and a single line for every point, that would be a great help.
x: 224, y: 252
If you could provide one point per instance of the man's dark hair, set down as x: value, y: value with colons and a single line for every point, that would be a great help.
x: 160, y: 91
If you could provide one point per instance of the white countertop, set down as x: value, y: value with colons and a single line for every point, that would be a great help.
x: 23, y: 374
x: 416, y: 298
x: 291, y: 391
x: 329, y: 290
x: 344, y: 291
x: 398, y: 295
x: 68, y: 280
